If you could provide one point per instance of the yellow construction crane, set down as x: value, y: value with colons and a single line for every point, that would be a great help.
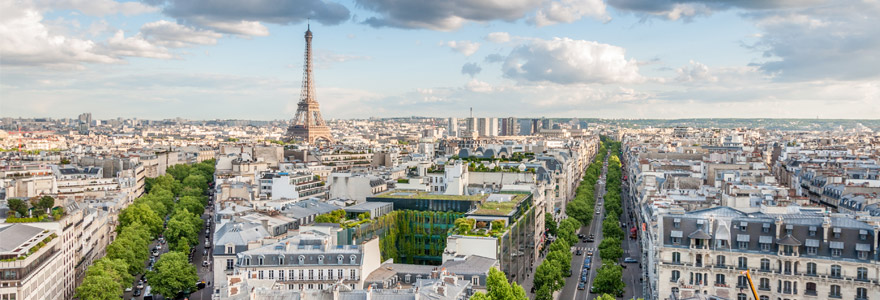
x: 751, y: 284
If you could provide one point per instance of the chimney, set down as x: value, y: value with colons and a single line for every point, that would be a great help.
x: 265, y: 223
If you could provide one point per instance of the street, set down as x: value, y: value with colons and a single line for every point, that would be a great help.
x: 205, y: 272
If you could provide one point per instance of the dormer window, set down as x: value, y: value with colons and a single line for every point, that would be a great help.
x: 836, y: 233
x: 281, y: 260
x: 353, y: 259
x: 676, y: 223
x: 339, y: 259
x: 743, y: 226
x: 812, y: 230
x: 789, y: 229
x: 320, y: 259
x: 302, y: 259
x: 863, y: 235
x: 261, y: 261
x: 765, y: 228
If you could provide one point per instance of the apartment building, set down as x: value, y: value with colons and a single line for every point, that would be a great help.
x: 790, y: 253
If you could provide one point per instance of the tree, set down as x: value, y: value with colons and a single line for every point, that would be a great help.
x: 196, y: 180
x: 518, y: 292
x: 141, y: 213
x: 480, y: 296
x: 547, y: 275
x: 564, y: 259
x: 44, y: 203
x: 101, y: 287
x: 605, y: 297
x: 191, y: 204
x: 609, y: 279
x: 550, y: 223
x: 544, y: 293
x: 610, y: 249
x: 183, y: 226
x: 173, y: 274
x: 497, y: 285
x: 18, y: 205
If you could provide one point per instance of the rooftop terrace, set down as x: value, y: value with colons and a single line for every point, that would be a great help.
x: 413, y: 194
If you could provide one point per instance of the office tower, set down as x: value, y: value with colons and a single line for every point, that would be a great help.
x: 452, y: 127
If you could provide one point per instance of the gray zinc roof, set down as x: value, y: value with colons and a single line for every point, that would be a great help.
x: 15, y: 235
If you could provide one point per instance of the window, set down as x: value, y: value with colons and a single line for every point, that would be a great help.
x: 765, y: 247
x: 786, y: 287
x: 788, y: 267
x: 863, y: 236
x: 407, y: 278
x: 353, y: 259
x: 301, y: 259
x: 742, y: 282
x: 836, y: 233
x: 743, y: 263
x: 247, y: 261
x: 835, y: 291
x: 743, y: 245
x: 320, y: 274
x: 261, y: 261
x: 811, y: 268
x: 812, y: 231
x: 676, y: 257
x: 281, y: 260
x: 719, y: 279
x: 676, y: 223
x: 271, y: 274
x: 835, y: 271
x: 862, y: 273
x: 765, y: 298
x: 743, y: 226
x: 676, y: 241
x: 764, y: 284
x: 260, y: 274
x: 229, y: 264
x: 861, y: 293
x: 812, y: 250
x: 475, y: 280
x: 720, y: 260
x: 228, y: 249
x: 741, y: 296
x: 811, y: 289
x: 836, y: 252
x: 863, y: 254
x: 329, y: 274
x: 339, y: 272
x: 353, y: 274
x: 675, y: 276
x: 765, y: 264
x: 301, y: 275
x: 281, y: 275
x: 339, y: 259
x: 311, y: 274
x: 765, y: 228
x: 320, y: 259
x: 788, y: 229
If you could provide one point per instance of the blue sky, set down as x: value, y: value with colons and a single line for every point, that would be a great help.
x: 222, y: 59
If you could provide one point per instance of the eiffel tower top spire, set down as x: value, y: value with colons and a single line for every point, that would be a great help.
x: 308, y: 125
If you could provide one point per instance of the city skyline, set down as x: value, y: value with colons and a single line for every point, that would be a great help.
x: 586, y: 59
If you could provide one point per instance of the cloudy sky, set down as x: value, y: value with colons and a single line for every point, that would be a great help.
x: 242, y: 59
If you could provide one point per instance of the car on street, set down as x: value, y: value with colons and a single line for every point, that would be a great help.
x: 136, y: 293
x: 159, y: 247
x: 205, y: 263
x: 590, y: 239
x: 578, y: 252
x: 128, y: 289
x: 140, y: 284
x: 589, y: 252
x: 155, y: 252
x: 581, y: 286
x: 598, y: 212
x: 630, y: 260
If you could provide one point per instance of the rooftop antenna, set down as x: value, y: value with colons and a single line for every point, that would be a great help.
x: 309, y: 23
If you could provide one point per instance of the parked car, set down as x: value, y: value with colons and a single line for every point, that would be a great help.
x: 136, y: 293
x: 581, y: 286
x: 140, y: 284
x: 630, y: 260
x: 155, y: 252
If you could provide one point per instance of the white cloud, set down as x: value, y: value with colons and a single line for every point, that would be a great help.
x: 25, y: 40
x: 478, y: 86
x: 568, y: 61
x: 241, y: 28
x: 464, y: 47
x: 498, y: 37
x: 135, y: 46
x: 569, y: 11
x: 99, y: 7
x: 695, y: 72
x: 176, y: 36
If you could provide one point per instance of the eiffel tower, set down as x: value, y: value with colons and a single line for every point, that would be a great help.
x: 308, y: 125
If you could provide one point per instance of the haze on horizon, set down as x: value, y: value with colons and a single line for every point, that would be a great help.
x: 648, y: 59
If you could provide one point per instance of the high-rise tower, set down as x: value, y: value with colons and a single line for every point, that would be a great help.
x: 308, y: 126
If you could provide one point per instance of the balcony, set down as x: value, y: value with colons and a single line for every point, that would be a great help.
x: 810, y: 293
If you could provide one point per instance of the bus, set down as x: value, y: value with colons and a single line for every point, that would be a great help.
x: 148, y: 295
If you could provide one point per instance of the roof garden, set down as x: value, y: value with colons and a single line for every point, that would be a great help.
x: 414, y: 194
x: 504, y: 207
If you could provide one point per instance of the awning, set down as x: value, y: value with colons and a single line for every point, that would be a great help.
x: 722, y: 233
x: 789, y: 226
x: 836, y: 245
x: 765, y: 239
x: 742, y: 238
x: 812, y: 228
x: 812, y: 243
x: 700, y: 222
x: 837, y: 230
x: 699, y: 234
x: 676, y: 220
x: 863, y: 231
x: 676, y: 233
x: 766, y: 225
x: 789, y: 240
x: 744, y: 224
x: 863, y: 247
